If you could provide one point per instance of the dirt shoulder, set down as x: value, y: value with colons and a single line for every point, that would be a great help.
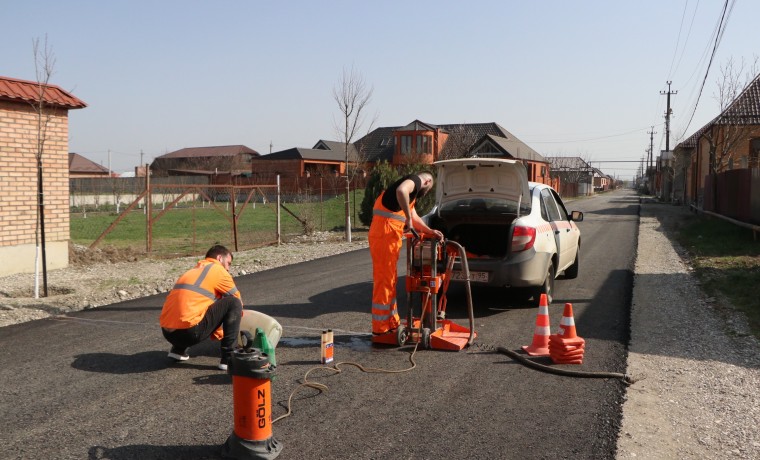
x: 101, y: 277
x: 698, y: 369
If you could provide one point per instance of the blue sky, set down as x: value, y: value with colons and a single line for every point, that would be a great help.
x: 566, y: 77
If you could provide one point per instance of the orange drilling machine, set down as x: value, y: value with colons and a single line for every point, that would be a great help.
x: 429, y: 270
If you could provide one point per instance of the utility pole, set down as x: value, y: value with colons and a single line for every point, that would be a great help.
x: 668, y: 112
x: 651, y: 147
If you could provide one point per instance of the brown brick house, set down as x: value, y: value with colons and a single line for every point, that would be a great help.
x: 416, y: 142
x: 727, y: 144
x: 425, y: 143
x: 230, y: 159
x: 18, y: 175
x: 80, y: 166
x: 302, y: 169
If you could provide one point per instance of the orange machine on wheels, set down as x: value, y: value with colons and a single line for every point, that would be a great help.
x: 426, y: 287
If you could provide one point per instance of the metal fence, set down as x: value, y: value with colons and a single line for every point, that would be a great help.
x: 169, y: 218
x: 734, y: 194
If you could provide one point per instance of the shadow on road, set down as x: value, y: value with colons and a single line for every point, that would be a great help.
x: 357, y: 297
x: 630, y: 210
x: 111, y: 363
x: 155, y: 452
x: 146, y: 361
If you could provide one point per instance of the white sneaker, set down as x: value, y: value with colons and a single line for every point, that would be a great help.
x: 178, y: 354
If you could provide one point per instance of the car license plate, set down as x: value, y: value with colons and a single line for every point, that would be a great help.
x: 478, y: 277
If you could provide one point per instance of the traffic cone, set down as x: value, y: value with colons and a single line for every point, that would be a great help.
x: 567, y: 323
x: 540, y: 345
x: 568, y: 361
x: 566, y: 347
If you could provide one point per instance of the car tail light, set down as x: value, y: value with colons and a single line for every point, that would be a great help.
x: 523, y: 238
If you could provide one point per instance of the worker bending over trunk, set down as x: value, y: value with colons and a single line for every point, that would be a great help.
x: 392, y: 216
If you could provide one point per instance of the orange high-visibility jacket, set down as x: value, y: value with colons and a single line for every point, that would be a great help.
x: 194, y: 293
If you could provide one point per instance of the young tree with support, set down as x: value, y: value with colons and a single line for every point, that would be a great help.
x: 44, y: 64
x: 353, y: 97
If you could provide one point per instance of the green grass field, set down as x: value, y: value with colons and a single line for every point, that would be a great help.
x: 190, y: 229
x: 726, y: 260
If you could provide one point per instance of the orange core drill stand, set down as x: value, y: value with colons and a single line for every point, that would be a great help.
x: 426, y: 289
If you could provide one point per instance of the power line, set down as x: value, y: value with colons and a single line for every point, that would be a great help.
x: 688, y: 35
x: 678, y: 40
x: 683, y: 50
x: 718, y: 37
x: 613, y: 161
x: 588, y: 139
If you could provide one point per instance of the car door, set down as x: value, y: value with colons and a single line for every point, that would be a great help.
x: 561, y: 227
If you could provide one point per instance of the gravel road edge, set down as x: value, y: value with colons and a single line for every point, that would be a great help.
x: 699, y: 368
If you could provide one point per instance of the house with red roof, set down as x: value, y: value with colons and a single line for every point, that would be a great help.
x: 416, y: 142
x: 20, y: 102
x: 204, y: 161
x: 80, y: 166
x: 718, y: 167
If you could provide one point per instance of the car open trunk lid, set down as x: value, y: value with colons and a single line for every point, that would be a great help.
x: 481, y: 177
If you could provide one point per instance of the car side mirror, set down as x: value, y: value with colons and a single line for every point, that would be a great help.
x: 576, y: 216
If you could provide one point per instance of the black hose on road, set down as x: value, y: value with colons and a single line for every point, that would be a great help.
x: 627, y: 379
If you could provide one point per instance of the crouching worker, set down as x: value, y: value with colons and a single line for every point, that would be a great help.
x: 204, y: 299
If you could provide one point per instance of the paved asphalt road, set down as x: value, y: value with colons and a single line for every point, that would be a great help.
x: 97, y: 384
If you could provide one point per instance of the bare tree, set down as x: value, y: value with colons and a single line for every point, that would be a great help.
x: 44, y: 63
x: 352, y: 96
x: 572, y: 170
x: 118, y: 189
x: 681, y: 162
x: 729, y: 130
x: 458, y: 144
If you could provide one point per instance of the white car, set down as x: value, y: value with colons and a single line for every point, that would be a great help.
x: 517, y: 234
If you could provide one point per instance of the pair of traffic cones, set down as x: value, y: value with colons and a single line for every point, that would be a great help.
x: 565, y: 347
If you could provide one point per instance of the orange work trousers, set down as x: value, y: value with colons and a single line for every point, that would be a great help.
x: 385, y: 241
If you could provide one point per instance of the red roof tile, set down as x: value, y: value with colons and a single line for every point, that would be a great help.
x: 745, y: 109
x: 205, y: 152
x: 12, y: 89
x: 82, y: 165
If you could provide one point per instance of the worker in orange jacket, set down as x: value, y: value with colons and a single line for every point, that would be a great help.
x: 392, y: 216
x: 203, y: 303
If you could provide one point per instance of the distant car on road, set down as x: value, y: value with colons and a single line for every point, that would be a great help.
x: 517, y: 234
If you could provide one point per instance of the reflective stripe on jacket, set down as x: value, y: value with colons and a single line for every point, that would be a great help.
x: 194, y: 293
x: 395, y: 219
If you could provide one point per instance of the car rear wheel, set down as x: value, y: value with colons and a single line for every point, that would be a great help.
x: 546, y: 288
x: 572, y: 271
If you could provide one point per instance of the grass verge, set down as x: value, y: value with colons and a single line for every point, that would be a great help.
x: 726, y: 260
x: 194, y: 227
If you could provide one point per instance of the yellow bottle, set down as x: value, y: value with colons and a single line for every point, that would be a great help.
x: 327, y: 346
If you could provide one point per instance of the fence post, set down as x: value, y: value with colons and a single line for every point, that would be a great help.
x: 233, y: 200
x: 148, y: 210
x: 279, y: 228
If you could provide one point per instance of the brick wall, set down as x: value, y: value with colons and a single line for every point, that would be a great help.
x: 18, y: 187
